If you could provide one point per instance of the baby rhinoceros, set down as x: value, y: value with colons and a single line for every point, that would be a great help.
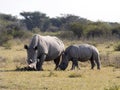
x: 82, y: 52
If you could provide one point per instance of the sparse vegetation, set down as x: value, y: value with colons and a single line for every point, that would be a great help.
x: 117, y: 47
x: 114, y: 87
x: 16, y: 75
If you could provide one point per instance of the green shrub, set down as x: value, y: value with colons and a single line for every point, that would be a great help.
x: 4, y: 38
x: 77, y: 29
x: 67, y: 35
x: 22, y: 34
x: 7, y: 45
x: 117, y: 47
x: 97, y: 29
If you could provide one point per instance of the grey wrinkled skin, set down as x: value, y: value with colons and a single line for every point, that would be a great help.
x: 44, y: 48
x: 82, y: 52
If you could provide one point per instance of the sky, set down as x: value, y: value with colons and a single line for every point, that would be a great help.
x: 95, y: 10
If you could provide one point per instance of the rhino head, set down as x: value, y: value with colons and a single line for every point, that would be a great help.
x: 64, y: 62
x: 32, y: 54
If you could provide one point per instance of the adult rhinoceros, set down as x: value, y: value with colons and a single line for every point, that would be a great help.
x: 81, y: 53
x: 44, y: 48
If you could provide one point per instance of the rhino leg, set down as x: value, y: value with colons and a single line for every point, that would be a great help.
x: 56, y: 61
x: 40, y: 63
x: 78, y: 67
x: 73, y: 67
x: 38, y: 67
x: 75, y: 63
x: 92, y: 64
x: 97, y: 60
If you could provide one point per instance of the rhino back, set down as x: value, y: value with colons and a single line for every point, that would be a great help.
x: 53, y: 46
x: 82, y: 52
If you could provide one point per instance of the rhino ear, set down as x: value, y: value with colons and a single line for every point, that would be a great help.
x: 25, y: 46
x: 35, y: 47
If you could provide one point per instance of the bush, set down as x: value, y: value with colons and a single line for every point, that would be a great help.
x: 116, y: 31
x: 4, y: 38
x: 77, y: 29
x: 117, y: 47
x: 22, y: 34
x: 67, y: 35
x: 7, y: 45
x: 98, y: 29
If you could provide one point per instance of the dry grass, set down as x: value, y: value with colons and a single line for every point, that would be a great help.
x: 60, y: 80
x: 108, y: 78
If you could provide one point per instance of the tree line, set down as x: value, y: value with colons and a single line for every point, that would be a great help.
x: 12, y: 27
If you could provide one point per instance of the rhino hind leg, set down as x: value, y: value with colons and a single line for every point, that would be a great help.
x: 96, y: 58
x: 56, y: 61
x: 92, y: 64
x: 98, y: 63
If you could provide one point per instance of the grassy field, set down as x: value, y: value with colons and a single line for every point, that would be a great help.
x: 108, y: 78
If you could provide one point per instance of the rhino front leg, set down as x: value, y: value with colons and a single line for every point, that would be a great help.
x: 73, y: 66
x: 74, y: 63
x: 40, y: 63
x: 38, y: 67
